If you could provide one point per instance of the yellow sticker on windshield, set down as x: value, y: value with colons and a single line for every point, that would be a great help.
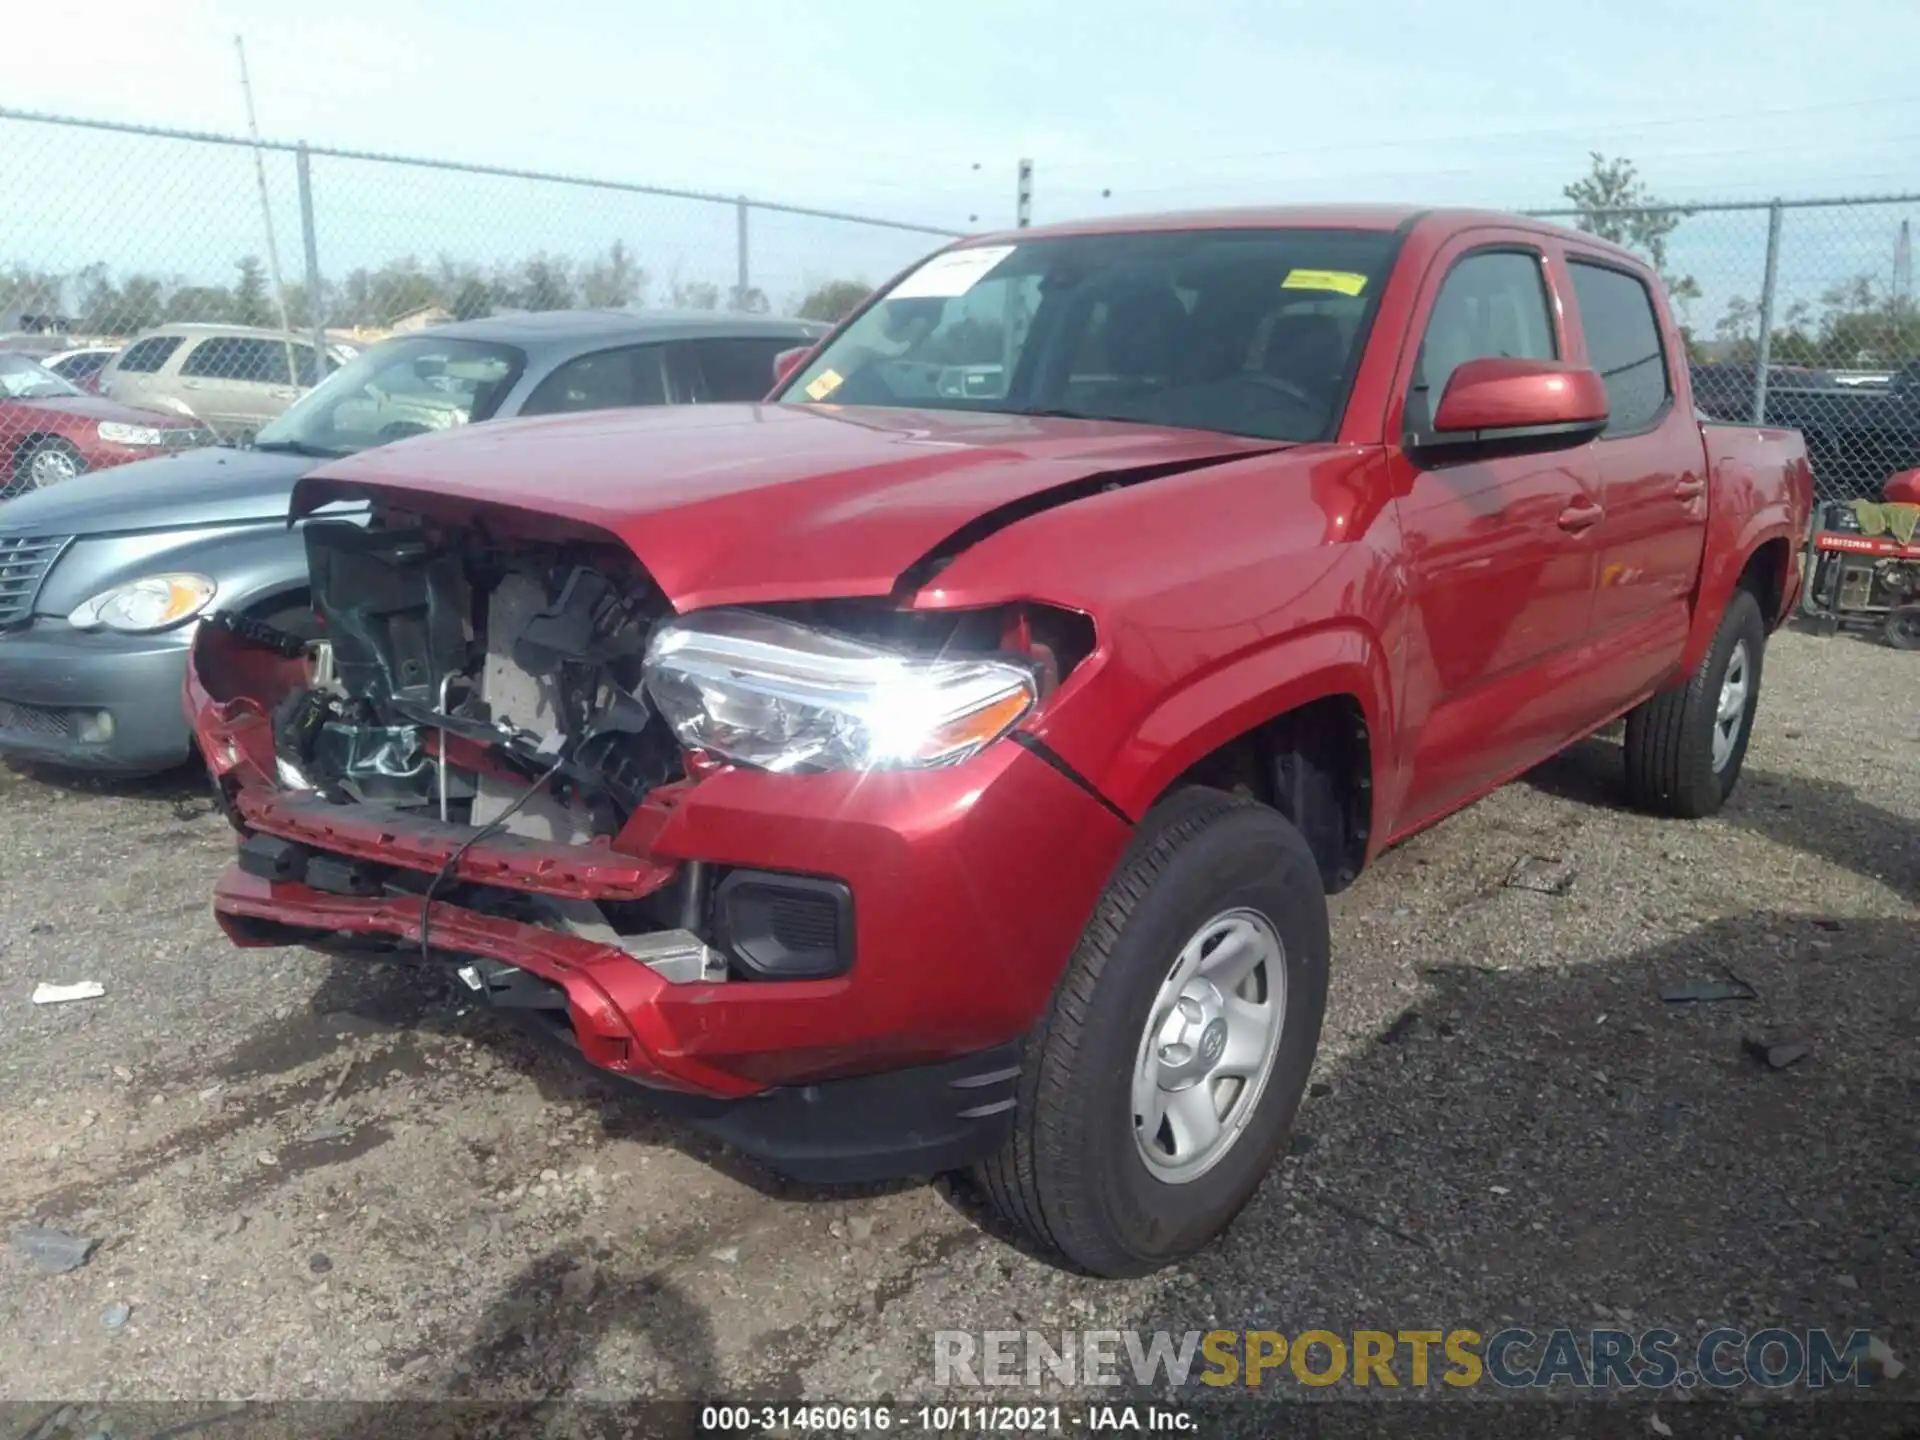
x: 823, y: 384
x: 1341, y: 282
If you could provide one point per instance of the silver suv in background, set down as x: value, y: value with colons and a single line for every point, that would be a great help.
x: 233, y: 378
x: 103, y: 577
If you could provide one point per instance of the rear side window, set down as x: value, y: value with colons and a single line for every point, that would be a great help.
x: 236, y: 357
x: 738, y: 368
x: 1493, y: 303
x: 143, y: 357
x: 604, y: 380
x: 1623, y: 344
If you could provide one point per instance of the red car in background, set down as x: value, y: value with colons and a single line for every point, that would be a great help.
x: 51, y: 430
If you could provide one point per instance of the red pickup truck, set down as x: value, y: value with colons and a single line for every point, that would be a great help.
x: 945, y: 762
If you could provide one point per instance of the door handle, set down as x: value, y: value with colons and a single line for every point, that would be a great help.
x: 1576, y: 519
x: 1690, y: 487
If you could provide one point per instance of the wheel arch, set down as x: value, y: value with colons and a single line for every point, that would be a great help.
x: 1299, y: 724
x: 1760, y: 558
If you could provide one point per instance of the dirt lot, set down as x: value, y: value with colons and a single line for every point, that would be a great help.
x: 317, y: 1178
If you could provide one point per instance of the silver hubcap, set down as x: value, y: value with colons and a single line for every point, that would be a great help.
x: 1209, y: 1045
x: 50, y: 467
x: 1731, y: 714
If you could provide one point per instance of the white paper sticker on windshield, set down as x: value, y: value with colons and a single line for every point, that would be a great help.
x: 951, y: 273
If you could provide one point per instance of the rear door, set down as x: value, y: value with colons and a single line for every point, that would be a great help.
x: 1499, y: 551
x: 264, y: 383
x: 1651, y: 468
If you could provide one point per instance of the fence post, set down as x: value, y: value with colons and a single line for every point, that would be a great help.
x: 744, y: 271
x: 309, y: 242
x: 1768, y: 288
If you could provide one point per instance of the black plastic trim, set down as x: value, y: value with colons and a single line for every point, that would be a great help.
x: 897, y: 1124
x: 762, y: 953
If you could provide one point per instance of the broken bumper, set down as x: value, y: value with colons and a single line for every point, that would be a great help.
x: 969, y: 888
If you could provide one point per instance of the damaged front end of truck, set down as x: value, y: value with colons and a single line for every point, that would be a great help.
x: 690, y: 847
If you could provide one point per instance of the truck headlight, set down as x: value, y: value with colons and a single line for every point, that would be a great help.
x: 153, y: 602
x: 780, y: 696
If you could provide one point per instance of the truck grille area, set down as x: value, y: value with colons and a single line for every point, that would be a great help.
x: 491, y: 683
x: 24, y: 563
x: 35, y: 720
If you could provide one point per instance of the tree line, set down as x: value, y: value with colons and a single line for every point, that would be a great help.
x: 96, y: 301
x: 1860, y: 323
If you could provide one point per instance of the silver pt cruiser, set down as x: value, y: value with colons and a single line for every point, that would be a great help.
x: 103, y: 577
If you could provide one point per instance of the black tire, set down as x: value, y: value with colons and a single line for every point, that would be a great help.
x: 1670, y: 737
x: 1903, y: 627
x: 22, y: 477
x: 1071, y: 1175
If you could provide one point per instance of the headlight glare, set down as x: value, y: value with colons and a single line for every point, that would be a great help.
x: 153, y: 602
x: 781, y: 696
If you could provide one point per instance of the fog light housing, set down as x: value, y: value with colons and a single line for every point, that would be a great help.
x: 785, y: 927
x: 94, y: 727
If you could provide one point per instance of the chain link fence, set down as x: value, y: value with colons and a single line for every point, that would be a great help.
x: 1797, y: 313
x: 288, y: 258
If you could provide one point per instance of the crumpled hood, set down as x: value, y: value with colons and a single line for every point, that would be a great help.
x: 170, y: 492
x: 731, y: 504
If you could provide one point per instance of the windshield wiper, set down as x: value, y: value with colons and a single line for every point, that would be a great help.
x: 297, y: 447
x: 1041, y: 412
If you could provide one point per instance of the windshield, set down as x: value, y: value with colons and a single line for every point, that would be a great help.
x: 398, y: 388
x: 1252, y: 332
x: 24, y: 379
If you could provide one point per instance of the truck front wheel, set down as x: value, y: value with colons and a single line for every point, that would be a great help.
x: 1685, y: 747
x: 1164, y: 1079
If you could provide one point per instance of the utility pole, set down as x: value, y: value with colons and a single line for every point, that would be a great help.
x: 266, y: 216
x: 1023, y: 197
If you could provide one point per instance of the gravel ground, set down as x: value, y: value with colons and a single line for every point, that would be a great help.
x: 324, y: 1179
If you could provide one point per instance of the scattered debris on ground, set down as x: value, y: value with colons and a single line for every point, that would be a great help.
x: 54, y: 1251
x: 452, y: 1211
x: 48, y: 993
x: 1543, y: 874
x: 1777, y: 1054
x: 1708, y: 991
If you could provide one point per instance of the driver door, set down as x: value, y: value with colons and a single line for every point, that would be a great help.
x: 1499, y: 551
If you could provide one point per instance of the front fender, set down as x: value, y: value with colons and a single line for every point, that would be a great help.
x: 1216, y: 706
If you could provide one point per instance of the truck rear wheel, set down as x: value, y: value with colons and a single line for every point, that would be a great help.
x: 1165, y: 1077
x: 1685, y: 747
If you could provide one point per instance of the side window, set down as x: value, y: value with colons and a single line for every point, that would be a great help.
x: 1491, y: 303
x: 237, y: 357
x: 738, y: 368
x: 143, y: 357
x: 211, y: 359
x: 263, y: 362
x: 604, y: 380
x: 1623, y: 344
x: 306, y: 372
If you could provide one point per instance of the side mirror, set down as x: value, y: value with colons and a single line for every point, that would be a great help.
x: 788, y: 361
x: 1496, y: 405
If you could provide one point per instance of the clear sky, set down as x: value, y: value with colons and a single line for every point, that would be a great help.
x: 920, y: 110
